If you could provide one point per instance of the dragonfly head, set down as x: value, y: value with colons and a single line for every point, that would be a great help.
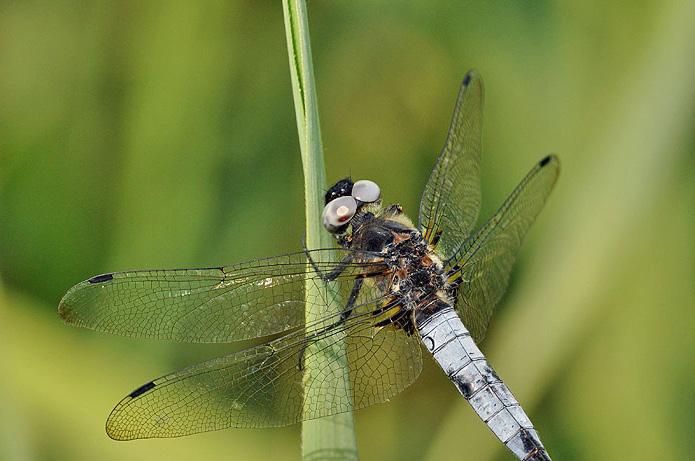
x: 345, y: 200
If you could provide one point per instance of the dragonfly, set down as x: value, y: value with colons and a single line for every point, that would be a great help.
x: 386, y: 289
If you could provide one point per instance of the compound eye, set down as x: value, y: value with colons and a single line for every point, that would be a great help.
x: 338, y: 213
x: 366, y: 191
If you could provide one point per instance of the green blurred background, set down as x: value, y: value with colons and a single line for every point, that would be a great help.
x: 154, y: 134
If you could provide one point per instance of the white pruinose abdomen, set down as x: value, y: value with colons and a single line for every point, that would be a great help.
x: 452, y: 346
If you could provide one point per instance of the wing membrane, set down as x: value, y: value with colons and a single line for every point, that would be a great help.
x: 485, y: 260
x: 222, y: 304
x: 451, y: 201
x: 264, y: 386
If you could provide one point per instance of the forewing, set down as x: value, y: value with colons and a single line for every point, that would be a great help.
x: 265, y: 386
x: 485, y: 260
x: 451, y: 200
x: 221, y: 304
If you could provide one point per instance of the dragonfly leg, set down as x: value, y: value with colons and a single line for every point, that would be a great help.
x: 332, y: 275
x: 354, y: 293
x: 344, y: 315
x: 314, y: 336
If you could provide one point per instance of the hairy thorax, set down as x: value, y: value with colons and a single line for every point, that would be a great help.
x: 416, y: 271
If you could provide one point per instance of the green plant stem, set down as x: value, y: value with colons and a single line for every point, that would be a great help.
x: 330, y: 437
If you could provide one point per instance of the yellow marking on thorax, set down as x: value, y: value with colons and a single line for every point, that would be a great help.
x: 387, y: 314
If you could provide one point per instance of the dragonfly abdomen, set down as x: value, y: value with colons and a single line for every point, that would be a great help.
x: 452, y: 346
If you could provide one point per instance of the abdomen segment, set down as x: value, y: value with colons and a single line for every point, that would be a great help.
x: 451, y: 344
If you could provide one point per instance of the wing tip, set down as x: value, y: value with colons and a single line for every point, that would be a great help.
x: 547, y: 159
x: 471, y: 79
x: 114, y: 429
x: 117, y: 427
x: 472, y: 87
x: 552, y: 161
x: 65, y: 311
x: 116, y: 435
x: 119, y: 433
x: 471, y: 75
x: 467, y: 78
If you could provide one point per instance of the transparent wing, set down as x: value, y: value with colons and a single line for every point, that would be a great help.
x: 485, y: 260
x: 222, y: 304
x: 451, y: 201
x: 265, y: 385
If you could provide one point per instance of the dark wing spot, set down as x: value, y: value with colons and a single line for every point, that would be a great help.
x: 101, y: 278
x: 545, y: 161
x: 467, y: 78
x: 142, y: 389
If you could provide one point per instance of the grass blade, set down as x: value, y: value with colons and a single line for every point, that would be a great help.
x: 332, y: 437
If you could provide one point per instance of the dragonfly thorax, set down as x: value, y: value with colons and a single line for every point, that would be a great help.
x: 418, y: 273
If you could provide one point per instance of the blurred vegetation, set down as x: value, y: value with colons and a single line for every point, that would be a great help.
x: 153, y: 134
